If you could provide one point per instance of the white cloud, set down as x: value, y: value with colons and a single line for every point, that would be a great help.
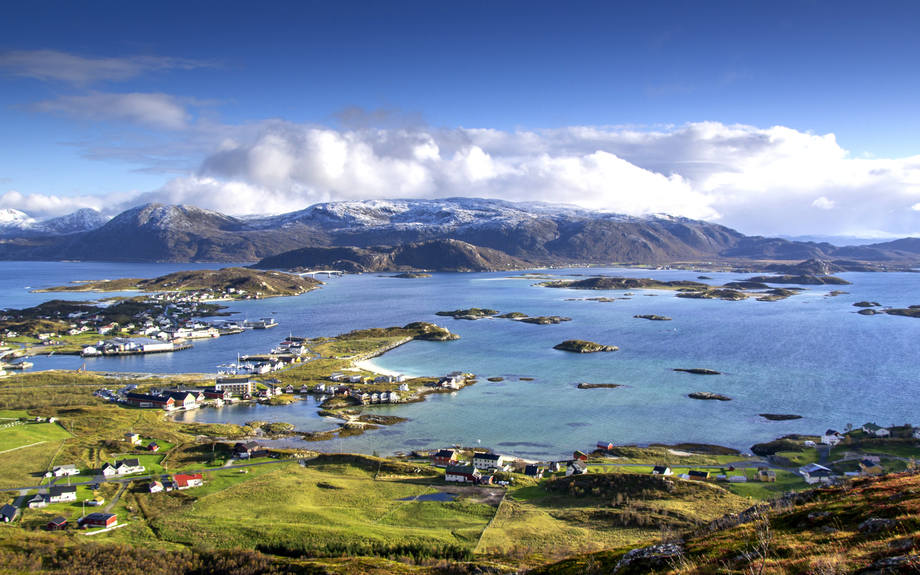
x: 42, y: 206
x: 757, y: 180
x: 52, y: 65
x: 156, y: 111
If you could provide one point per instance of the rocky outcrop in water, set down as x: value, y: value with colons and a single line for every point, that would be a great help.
x: 581, y: 346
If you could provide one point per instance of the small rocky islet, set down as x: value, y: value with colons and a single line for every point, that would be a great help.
x: 697, y: 371
x: 653, y: 317
x: 707, y: 395
x: 481, y: 313
x: 598, y: 385
x: 582, y: 346
x: 779, y: 416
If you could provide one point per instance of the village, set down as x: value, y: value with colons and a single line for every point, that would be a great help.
x: 142, y: 465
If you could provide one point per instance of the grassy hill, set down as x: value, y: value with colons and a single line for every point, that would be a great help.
x: 269, y: 283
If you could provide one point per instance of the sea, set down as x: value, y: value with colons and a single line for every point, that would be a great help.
x: 810, y: 355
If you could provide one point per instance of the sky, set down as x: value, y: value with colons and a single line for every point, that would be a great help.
x: 773, y: 118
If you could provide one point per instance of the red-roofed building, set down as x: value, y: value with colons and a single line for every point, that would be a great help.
x: 189, y: 481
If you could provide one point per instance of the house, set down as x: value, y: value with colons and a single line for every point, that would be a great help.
x: 831, y: 437
x: 876, y: 430
x: 123, y: 467
x: 8, y: 513
x: 56, y: 524
x: 534, y: 471
x: 189, y: 481
x: 63, y: 471
x: 155, y: 487
x: 444, y: 457
x: 304, y: 388
x: 38, y: 501
x: 917, y: 434
x: 214, y: 393
x: 61, y: 493
x: 462, y: 474
x: 870, y: 467
x: 577, y: 467
x: 185, y: 399
x: 698, y: 475
x: 144, y: 400
x: 737, y: 479
x: 766, y: 475
x: 662, y: 470
x: 554, y: 467
x: 289, y: 388
x: 604, y: 446
x: 404, y: 387
x: 814, y: 473
x: 580, y: 455
x: 153, y: 446
x: 487, y: 461
x: 99, y: 520
x: 249, y: 450
x: 235, y: 385
x: 319, y: 388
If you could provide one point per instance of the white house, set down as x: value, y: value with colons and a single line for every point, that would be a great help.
x: 404, y: 387
x: 487, y: 461
x: 64, y: 470
x: 814, y: 473
x: 662, y: 470
x: 123, y: 467
x: 60, y: 493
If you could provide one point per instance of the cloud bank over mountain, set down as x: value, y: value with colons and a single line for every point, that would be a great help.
x: 769, y: 181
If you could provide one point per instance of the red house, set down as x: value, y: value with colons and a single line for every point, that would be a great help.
x: 56, y: 524
x: 152, y: 446
x: 444, y: 457
x: 603, y: 445
x: 99, y: 520
x: 579, y: 455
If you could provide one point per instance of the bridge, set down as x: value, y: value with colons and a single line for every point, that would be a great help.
x: 329, y: 273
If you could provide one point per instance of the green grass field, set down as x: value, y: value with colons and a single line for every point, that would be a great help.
x: 289, y: 505
x: 27, y: 466
x: 31, y: 433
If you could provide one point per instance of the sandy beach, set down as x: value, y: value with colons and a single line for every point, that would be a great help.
x: 370, y: 366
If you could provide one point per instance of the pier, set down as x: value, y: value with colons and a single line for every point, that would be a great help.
x: 329, y: 273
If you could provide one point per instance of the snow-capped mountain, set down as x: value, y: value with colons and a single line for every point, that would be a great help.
x: 14, y: 223
x: 537, y: 232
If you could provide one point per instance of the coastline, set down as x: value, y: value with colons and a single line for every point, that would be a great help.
x: 369, y: 365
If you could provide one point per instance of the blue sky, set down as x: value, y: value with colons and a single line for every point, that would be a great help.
x: 770, y: 117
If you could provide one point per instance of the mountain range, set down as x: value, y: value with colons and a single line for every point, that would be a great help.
x: 529, y: 233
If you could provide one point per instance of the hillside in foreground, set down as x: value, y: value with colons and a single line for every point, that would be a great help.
x: 864, y: 526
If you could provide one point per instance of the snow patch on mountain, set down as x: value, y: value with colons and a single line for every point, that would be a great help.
x: 15, y: 223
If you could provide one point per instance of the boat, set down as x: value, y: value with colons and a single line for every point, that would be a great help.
x: 263, y: 323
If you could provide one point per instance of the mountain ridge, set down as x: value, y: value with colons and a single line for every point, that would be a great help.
x: 537, y: 232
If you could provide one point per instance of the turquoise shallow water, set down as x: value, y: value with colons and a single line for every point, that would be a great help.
x: 810, y: 355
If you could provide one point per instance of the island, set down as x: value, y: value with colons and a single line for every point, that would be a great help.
x: 621, y: 283
x: 581, y: 346
x: 697, y: 371
x: 706, y: 395
x: 779, y: 416
x: 800, y: 280
x: 653, y: 317
x: 472, y: 313
x: 227, y: 283
x: 411, y: 275
x: 598, y: 385
x: 544, y: 320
